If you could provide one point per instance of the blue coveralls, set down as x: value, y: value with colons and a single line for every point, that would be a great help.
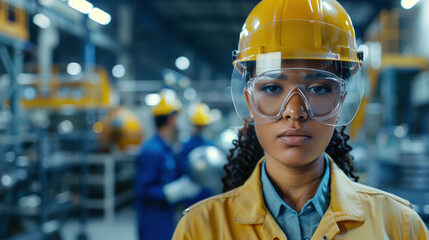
x: 156, y: 166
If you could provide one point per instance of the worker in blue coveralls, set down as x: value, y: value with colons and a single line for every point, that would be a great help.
x: 159, y: 184
x: 200, y: 118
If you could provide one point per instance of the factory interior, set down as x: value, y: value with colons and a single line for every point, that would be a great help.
x: 79, y: 80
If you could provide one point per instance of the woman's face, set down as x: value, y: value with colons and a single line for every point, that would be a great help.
x: 295, y: 140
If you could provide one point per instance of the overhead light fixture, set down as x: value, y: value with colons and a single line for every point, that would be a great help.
x: 182, y: 63
x: 81, y: 5
x: 74, y: 68
x: 41, y: 20
x: 100, y: 16
x: 118, y: 71
x: 152, y: 99
x: 407, y: 4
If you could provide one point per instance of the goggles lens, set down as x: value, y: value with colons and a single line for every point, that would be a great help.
x: 322, y: 91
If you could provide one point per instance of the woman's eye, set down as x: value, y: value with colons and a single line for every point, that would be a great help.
x: 319, y: 89
x: 271, y: 89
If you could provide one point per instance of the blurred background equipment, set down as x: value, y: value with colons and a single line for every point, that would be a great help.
x: 206, y: 167
x: 120, y: 127
x: 79, y: 78
x: 393, y: 118
x: 75, y: 90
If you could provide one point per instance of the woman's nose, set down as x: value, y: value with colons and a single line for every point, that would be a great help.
x: 295, y: 108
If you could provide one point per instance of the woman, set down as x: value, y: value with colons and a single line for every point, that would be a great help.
x: 296, y: 78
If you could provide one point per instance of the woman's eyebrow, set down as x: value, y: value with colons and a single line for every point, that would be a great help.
x: 275, y: 76
x: 315, y: 75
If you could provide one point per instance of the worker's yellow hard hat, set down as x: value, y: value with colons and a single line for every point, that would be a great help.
x: 168, y: 103
x: 300, y: 40
x: 298, y: 29
x: 200, y: 114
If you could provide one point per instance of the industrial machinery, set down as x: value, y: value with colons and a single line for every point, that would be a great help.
x: 206, y: 167
x: 395, y: 111
x: 51, y: 154
x: 13, y: 21
x: 86, y: 91
x: 120, y: 127
x: 88, y: 132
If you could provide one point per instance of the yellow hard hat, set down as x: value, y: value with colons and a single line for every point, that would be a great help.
x: 298, y: 29
x: 200, y: 114
x: 169, y: 103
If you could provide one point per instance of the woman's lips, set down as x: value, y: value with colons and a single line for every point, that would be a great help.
x: 294, y: 140
x: 294, y: 137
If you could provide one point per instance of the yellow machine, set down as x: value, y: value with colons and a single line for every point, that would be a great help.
x: 92, y: 91
x: 120, y: 126
x: 13, y: 21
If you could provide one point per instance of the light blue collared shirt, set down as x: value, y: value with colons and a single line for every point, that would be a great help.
x: 297, y: 226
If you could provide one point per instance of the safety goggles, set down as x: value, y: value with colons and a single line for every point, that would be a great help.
x: 322, y: 92
x: 331, y: 93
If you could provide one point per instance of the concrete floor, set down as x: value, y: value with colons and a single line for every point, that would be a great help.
x: 122, y: 227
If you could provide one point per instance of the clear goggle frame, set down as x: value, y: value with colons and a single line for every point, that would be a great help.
x: 329, y: 96
x: 322, y: 92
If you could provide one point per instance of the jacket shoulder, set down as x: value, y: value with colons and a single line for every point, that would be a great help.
x: 211, y: 212
x: 214, y: 201
x: 374, y: 192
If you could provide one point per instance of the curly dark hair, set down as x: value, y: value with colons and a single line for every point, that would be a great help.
x: 247, y: 151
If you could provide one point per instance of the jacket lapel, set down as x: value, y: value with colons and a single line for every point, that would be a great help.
x: 345, y: 205
x: 250, y: 203
x: 251, y: 207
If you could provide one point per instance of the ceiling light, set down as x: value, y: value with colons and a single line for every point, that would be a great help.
x: 41, y: 20
x: 152, y: 99
x: 100, y: 16
x: 407, y: 4
x: 81, y: 5
x: 74, y: 69
x: 182, y: 63
x: 118, y: 71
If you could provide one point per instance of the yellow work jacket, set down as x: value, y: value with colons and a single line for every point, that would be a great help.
x: 356, y: 211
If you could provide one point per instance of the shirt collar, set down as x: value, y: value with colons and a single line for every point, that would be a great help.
x: 345, y: 203
x: 274, y: 202
x: 164, y: 143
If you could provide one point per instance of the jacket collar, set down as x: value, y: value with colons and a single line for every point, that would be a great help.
x: 345, y: 202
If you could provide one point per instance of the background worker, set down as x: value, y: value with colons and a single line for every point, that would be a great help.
x: 200, y: 118
x: 159, y: 185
